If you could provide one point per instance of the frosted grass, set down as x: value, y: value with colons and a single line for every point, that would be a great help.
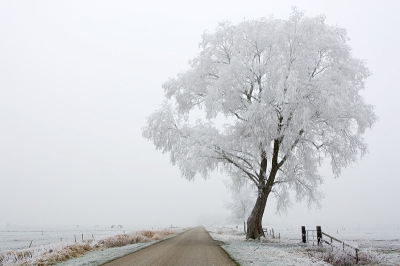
x: 380, y: 244
x: 21, y: 237
x: 85, y: 252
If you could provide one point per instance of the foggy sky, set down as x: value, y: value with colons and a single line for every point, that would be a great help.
x: 79, y: 78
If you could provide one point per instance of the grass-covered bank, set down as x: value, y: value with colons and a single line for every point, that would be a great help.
x: 62, y: 252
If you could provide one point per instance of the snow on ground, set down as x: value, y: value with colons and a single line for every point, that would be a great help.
x: 268, y: 251
x: 285, y: 251
x: 378, y: 246
x: 15, y: 238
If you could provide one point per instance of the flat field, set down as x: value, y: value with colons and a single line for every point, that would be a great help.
x: 381, y: 245
x: 14, y: 238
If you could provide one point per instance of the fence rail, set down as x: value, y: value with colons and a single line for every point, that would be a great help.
x: 344, y: 245
x: 318, y: 234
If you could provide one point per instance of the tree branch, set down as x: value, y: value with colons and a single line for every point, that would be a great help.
x: 250, y: 175
x: 234, y: 113
x: 291, y: 148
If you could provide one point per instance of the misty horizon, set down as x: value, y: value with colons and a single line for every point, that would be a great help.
x: 79, y: 79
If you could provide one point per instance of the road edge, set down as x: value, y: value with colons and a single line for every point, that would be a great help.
x: 141, y: 248
x: 230, y: 256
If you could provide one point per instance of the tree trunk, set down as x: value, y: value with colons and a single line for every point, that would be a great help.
x: 254, y: 222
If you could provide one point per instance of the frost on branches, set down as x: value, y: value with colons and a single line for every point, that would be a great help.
x: 290, y: 93
x: 243, y: 199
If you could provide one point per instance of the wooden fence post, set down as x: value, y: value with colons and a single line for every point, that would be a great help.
x: 357, y: 256
x: 303, y: 234
x: 319, y: 235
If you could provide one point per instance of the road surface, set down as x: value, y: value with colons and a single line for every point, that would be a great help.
x: 193, y: 247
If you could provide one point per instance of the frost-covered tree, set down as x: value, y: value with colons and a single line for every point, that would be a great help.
x: 289, y: 91
x: 243, y: 198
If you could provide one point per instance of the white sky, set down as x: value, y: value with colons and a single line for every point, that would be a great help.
x: 79, y: 78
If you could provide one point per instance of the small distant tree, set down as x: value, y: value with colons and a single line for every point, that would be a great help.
x: 243, y: 198
x: 290, y: 93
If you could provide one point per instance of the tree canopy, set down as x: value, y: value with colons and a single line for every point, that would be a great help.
x: 290, y: 93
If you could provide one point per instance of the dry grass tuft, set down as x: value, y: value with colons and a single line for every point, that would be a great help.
x: 147, y: 233
x: 15, y: 256
x: 65, y: 253
x: 156, y: 235
x: 122, y: 240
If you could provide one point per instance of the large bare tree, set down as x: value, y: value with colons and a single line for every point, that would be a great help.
x: 289, y: 91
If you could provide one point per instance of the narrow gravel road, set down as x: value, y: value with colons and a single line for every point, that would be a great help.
x: 194, y: 247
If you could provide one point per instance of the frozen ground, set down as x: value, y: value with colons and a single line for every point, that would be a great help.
x: 285, y: 251
x: 383, y: 239
x: 87, y: 252
x: 290, y: 251
x: 267, y: 252
x: 14, y: 238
